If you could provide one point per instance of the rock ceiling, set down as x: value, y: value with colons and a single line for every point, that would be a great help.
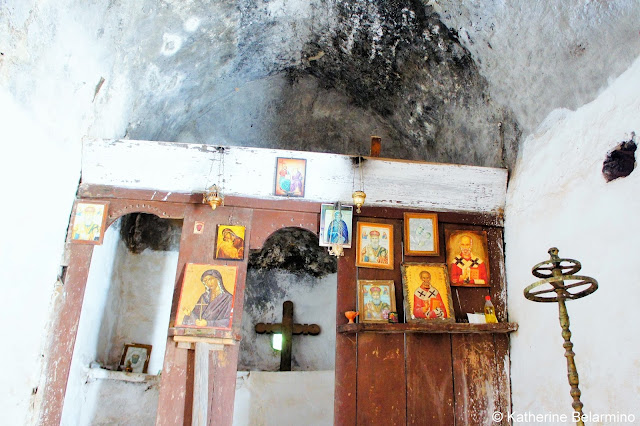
x: 444, y: 81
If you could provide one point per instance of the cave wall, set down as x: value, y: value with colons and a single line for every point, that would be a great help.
x: 313, y: 301
x: 316, y: 76
x: 111, y: 69
x: 544, y: 55
x: 558, y: 197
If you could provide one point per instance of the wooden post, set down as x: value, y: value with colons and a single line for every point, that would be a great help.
x: 287, y: 334
x: 201, y: 383
x: 376, y: 146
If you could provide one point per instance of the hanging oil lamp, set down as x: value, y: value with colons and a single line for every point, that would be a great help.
x: 212, y: 197
x: 359, y: 196
x: 358, y: 199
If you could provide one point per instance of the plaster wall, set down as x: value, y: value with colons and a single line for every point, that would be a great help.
x: 119, y: 402
x: 145, y: 284
x: 127, y: 299
x: 284, y: 398
x: 49, y: 68
x: 95, y: 316
x: 558, y: 198
x: 314, y: 302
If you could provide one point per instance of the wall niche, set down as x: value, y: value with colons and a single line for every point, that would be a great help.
x: 127, y: 300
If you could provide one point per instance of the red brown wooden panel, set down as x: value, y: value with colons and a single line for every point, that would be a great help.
x: 497, y: 272
x: 108, y: 192
x: 176, y: 386
x: 381, y: 396
x: 222, y: 381
x: 429, y: 380
x: 381, y: 382
x: 345, y: 367
x: 200, y: 248
x: 266, y: 222
x: 477, y: 393
x: 62, y: 338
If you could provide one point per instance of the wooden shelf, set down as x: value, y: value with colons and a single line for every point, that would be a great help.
x: 450, y: 327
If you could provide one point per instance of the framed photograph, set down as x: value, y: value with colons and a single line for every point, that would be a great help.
x: 89, y: 222
x: 467, y: 258
x: 291, y: 174
x: 336, y: 225
x: 207, y: 296
x: 427, y: 293
x: 135, y: 358
x: 421, y: 234
x: 376, y: 300
x: 374, y: 243
x: 230, y: 242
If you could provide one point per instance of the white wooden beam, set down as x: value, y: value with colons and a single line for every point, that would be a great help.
x: 250, y: 172
x: 201, y: 385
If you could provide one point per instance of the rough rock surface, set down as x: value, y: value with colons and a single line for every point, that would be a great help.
x: 295, y: 250
x: 322, y: 76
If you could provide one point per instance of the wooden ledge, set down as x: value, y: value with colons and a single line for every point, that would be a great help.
x: 205, y: 333
x: 444, y: 327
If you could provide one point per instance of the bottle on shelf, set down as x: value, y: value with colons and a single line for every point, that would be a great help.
x: 489, y: 310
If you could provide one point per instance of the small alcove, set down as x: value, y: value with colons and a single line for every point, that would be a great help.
x: 127, y: 300
x: 290, y: 266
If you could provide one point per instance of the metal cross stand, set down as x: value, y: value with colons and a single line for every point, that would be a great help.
x: 554, y: 273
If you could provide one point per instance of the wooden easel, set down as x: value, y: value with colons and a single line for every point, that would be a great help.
x: 203, y: 346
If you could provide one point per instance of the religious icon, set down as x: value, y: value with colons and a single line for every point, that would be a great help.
x: 291, y: 175
x: 89, y: 222
x: 374, y: 245
x: 427, y: 294
x: 421, y: 234
x: 207, y: 296
x: 336, y: 225
x: 198, y: 227
x: 135, y: 358
x: 376, y: 300
x: 468, y: 258
x: 230, y: 242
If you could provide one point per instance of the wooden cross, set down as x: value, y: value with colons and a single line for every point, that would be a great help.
x: 287, y: 328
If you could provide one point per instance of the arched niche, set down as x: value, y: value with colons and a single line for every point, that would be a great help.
x: 290, y: 266
x: 127, y: 299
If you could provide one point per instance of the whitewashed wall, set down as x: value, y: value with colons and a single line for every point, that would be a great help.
x: 314, y: 302
x: 127, y: 299
x: 50, y: 66
x: 93, y: 318
x: 145, y: 284
x: 558, y: 197
x: 284, y: 398
x: 250, y: 172
x: 39, y: 170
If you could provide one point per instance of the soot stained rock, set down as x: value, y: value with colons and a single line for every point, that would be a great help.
x: 323, y: 75
x: 295, y: 250
x: 412, y: 81
x: 142, y: 230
